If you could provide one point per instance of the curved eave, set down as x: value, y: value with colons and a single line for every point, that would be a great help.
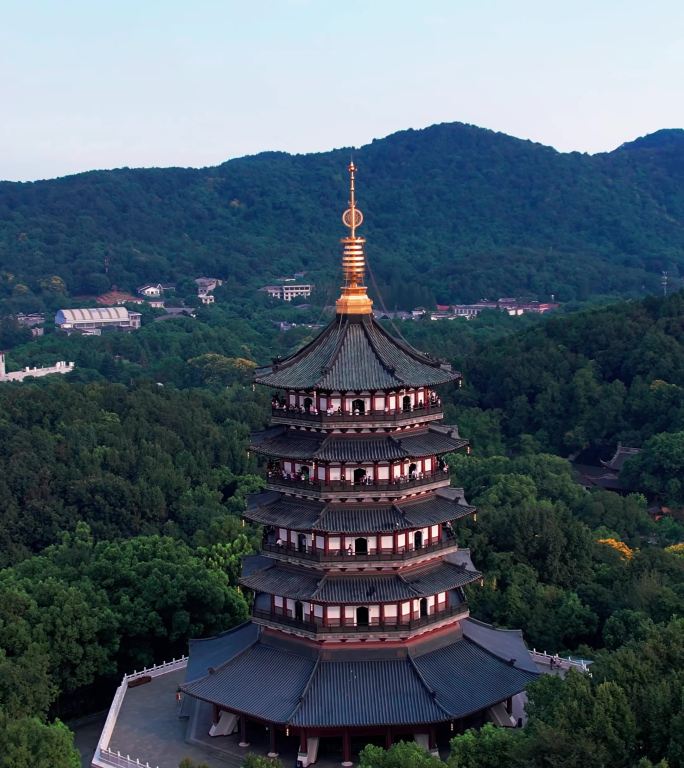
x: 284, y: 443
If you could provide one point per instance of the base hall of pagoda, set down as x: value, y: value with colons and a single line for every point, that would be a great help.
x: 360, y: 628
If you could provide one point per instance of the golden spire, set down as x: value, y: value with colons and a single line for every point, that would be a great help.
x: 353, y: 300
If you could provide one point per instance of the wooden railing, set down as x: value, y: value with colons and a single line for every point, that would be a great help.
x: 339, y: 555
x: 338, y: 626
x: 368, y: 417
x: 276, y: 479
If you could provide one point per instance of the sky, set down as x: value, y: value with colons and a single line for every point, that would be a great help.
x: 91, y: 84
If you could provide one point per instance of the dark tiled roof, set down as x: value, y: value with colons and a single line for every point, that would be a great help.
x: 360, y: 693
x: 301, y: 444
x: 507, y: 644
x: 357, y: 588
x: 355, y: 353
x: 354, y: 518
x: 430, y: 580
x: 466, y: 678
x: 434, y: 509
x: 276, y: 509
x: 434, y: 441
x: 363, y: 589
x: 284, y: 683
x: 214, y: 651
x: 264, y: 682
x: 276, y: 580
x: 361, y: 448
x: 279, y: 510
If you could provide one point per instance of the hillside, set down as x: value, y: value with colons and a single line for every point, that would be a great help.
x: 462, y: 211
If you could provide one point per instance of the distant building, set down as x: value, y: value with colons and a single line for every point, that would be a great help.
x: 155, y: 303
x: 607, y: 476
x: 287, y: 292
x: 92, y: 321
x: 33, y: 321
x: 60, y: 367
x: 206, y: 287
x: 155, y: 290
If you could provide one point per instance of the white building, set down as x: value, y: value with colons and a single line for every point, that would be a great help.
x: 288, y: 292
x: 155, y: 290
x: 60, y: 367
x: 92, y: 321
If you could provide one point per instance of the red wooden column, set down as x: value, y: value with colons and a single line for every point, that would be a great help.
x: 243, y: 732
x: 388, y: 738
x: 303, y: 747
x: 346, y: 749
x: 273, y: 751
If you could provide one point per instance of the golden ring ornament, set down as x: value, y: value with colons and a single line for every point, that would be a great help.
x: 352, y: 218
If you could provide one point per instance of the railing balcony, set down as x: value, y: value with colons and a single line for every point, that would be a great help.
x: 340, y: 626
x: 339, y: 418
x: 341, y: 556
x: 349, y: 488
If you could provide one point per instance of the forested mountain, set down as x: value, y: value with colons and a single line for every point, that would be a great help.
x: 453, y: 212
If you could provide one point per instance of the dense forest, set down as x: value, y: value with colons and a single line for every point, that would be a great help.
x: 453, y: 213
x: 122, y: 483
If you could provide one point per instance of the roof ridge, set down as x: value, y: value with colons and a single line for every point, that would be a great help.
x: 305, y: 690
x: 335, y: 353
x: 367, y: 323
x: 432, y: 691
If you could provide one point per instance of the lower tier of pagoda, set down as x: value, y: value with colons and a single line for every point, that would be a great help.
x: 456, y: 677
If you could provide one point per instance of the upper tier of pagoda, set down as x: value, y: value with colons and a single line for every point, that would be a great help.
x: 354, y: 353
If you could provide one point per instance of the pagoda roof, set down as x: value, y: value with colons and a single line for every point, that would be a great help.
x: 289, y: 442
x: 299, y: 584
x: 354, y: 353
x: 279, y: 680
x: 276, y: 509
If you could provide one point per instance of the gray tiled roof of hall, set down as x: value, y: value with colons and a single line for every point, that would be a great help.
x: 271, y: 508
x: 288, y: 442
x: 353, y: 353
x: 355, y: 588
x: 273, y: 680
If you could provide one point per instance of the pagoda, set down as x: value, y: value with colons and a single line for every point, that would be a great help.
x: 360, y: 629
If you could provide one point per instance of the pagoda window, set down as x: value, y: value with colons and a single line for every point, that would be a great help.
x: 335, y: 473
x: 413, y: 471
x: 427, y: 465
x: 334, y: 544
x: 278, y: 601
x: 334, y: 616
x: 361, y: 546
x: 301, y: 542
x: 362, y: 616
x: 406, y: 402
x: 358, y: 406
x: 401, y: 542
x: 299, y: 611
x: 423, y: 607
x: 387, y: 543
x: 318, y: 611
x: 391, y: 613
x: 418, y: 539
x: 383, y: 472
x: 359, y: 475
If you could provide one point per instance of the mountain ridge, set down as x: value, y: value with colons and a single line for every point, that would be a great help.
x: 453, y: 212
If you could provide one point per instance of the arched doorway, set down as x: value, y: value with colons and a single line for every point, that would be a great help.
x: 308, y: 402
x: 358, y: 406
x: 299, y: 611
x: 304, y: 473
x: 359, y: 475
x: 362, y: 616
x: 423, y: 607
x: 412, y: 471
x: 406, y: 403
x: 361, y: 546
x: 301, y: 542
x: 418, y: 539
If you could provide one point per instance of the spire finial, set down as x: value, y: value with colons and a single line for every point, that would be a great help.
x: 353, y: 300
